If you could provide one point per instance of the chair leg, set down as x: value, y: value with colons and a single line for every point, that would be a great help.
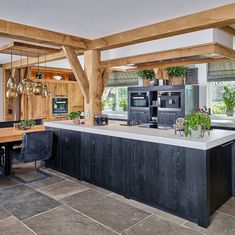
x: 35, y: 164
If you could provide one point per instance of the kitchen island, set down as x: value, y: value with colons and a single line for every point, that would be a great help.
x: 189, y: 178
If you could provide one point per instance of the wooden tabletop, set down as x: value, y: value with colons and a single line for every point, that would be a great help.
x: 10, y: 135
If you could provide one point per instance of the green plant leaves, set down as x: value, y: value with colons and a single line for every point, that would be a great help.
x: 229, y: 97
x: 177, y: 71
x: 146, y: 74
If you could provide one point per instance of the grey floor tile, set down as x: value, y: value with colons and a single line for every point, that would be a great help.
x: 227, y: 210
x: 155, y: 225
x: 150, y: 209
x: 96, y: 188
x: 4, y: 214
x: 108, y: 211
x: 11, y: 226
x: 24, y: 202
x: 7, y: 182
x: 62, y: 189
x: 45, y: 182
x: 65, y: 221
x: 231, y: 202
x: 221, y: 224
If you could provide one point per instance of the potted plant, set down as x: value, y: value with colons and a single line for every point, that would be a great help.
x: 176, y: 74
x: 146, y: 76
x: 229, y: 100
x: 194, y: 123
x: 123, y: 103
x: 75, y: 116
x: 26, y: 124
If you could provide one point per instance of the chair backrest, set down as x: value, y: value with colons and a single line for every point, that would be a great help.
x: 36, y: 146
x: 10, y: 123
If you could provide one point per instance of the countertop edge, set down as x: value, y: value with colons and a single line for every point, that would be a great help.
x: 144, y: 137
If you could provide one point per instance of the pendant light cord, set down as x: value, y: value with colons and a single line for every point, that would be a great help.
x: 11, y: 63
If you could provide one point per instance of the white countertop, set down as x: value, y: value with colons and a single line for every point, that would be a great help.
x: 217, y: 137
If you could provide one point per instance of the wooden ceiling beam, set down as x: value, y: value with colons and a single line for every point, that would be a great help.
x: 38, y: 35
x: 212, y: 18
x: 228, y: 29
x: 174, y: 63
x: 225, y: 51
x: 78, y: 71
x: 161, y: 55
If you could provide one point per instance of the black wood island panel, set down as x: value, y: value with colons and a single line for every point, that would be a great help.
x: 190, y: 183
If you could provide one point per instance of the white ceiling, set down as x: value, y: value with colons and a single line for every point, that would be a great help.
x: 96, y: 18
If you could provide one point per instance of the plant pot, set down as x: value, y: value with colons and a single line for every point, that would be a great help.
x: 229, y: 112
x: 196, y: 134
x: 144, y: 82
x: 77, y: 121
x: 176, y: 81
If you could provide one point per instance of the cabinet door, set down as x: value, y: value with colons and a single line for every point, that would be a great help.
x: 143, y: 171
x: 70, y: 151
x: 55, y: 160
x: 87, y: 149
x: 168, y: 176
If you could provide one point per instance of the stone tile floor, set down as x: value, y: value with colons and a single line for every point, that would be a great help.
x: 63, y: 205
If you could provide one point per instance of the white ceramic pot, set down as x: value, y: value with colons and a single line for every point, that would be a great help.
x: 196, y: 134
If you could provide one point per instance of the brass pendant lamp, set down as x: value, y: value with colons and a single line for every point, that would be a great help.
x: 28, y: 84
x: 20, y: 87
x: 45, y: 91
x: 38, y: 86
x: 11, y: 85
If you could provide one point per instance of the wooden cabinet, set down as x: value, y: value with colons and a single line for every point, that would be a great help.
x: 37, y: 107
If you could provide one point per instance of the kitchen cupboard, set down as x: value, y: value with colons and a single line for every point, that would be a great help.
x: 180, y: 180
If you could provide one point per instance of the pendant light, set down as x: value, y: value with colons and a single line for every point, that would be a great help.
x: 20, y: 87
x: 38, y: 87
x: 11, y: 85
x: 45, y: 92
x: 28, y: 84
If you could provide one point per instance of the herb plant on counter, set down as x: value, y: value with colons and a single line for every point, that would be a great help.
x: 74, y: 115
x: 194, y: 120
x: 27, y: 123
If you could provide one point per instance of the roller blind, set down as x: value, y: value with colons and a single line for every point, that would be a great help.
x: 221, y: 71
x: 118, y: 79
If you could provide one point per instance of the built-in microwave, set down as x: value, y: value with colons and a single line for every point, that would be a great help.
x: 59, y: 105
x: 169, y: 101
x: 139, y: 99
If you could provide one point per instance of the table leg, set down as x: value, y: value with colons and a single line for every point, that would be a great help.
x: 8, y: 159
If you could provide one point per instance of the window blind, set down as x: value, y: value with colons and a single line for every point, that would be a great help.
x: 221, y: 71
x: 118, y: 78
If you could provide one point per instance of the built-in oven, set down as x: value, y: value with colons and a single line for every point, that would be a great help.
x: 169, y: 101
x: 59, y: 106
x: 139, y: 99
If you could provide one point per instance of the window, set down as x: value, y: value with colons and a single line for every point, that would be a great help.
x: 115, y: 95
x: 215, y: 90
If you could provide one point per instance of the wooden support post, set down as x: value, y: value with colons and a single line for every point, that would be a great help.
x: 78, y: 71
x: 105, y: 77
x: 93, y: 73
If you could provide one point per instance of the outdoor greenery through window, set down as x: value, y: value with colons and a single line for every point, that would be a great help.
x: 215, y: 90
x: 114, y: 100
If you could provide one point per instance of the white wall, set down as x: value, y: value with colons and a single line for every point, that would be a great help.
x: 1, y: 95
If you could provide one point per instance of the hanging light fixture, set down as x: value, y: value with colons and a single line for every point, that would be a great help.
x: 11, y: 85
x: 28, y: 84
x: 45, y: 91
x: 20, y: 87
x: 38, y: 86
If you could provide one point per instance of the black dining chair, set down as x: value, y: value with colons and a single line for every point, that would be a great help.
x: 36, y: 146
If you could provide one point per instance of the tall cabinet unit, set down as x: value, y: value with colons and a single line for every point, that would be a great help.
x: 162, y: 103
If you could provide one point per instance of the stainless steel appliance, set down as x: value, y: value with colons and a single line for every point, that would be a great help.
x: 59, y: 106
x: 100, y: 120
x: 139, y: 99
x: 169, y: 100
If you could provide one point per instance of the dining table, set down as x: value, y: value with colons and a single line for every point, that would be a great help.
x: 9, y: 136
